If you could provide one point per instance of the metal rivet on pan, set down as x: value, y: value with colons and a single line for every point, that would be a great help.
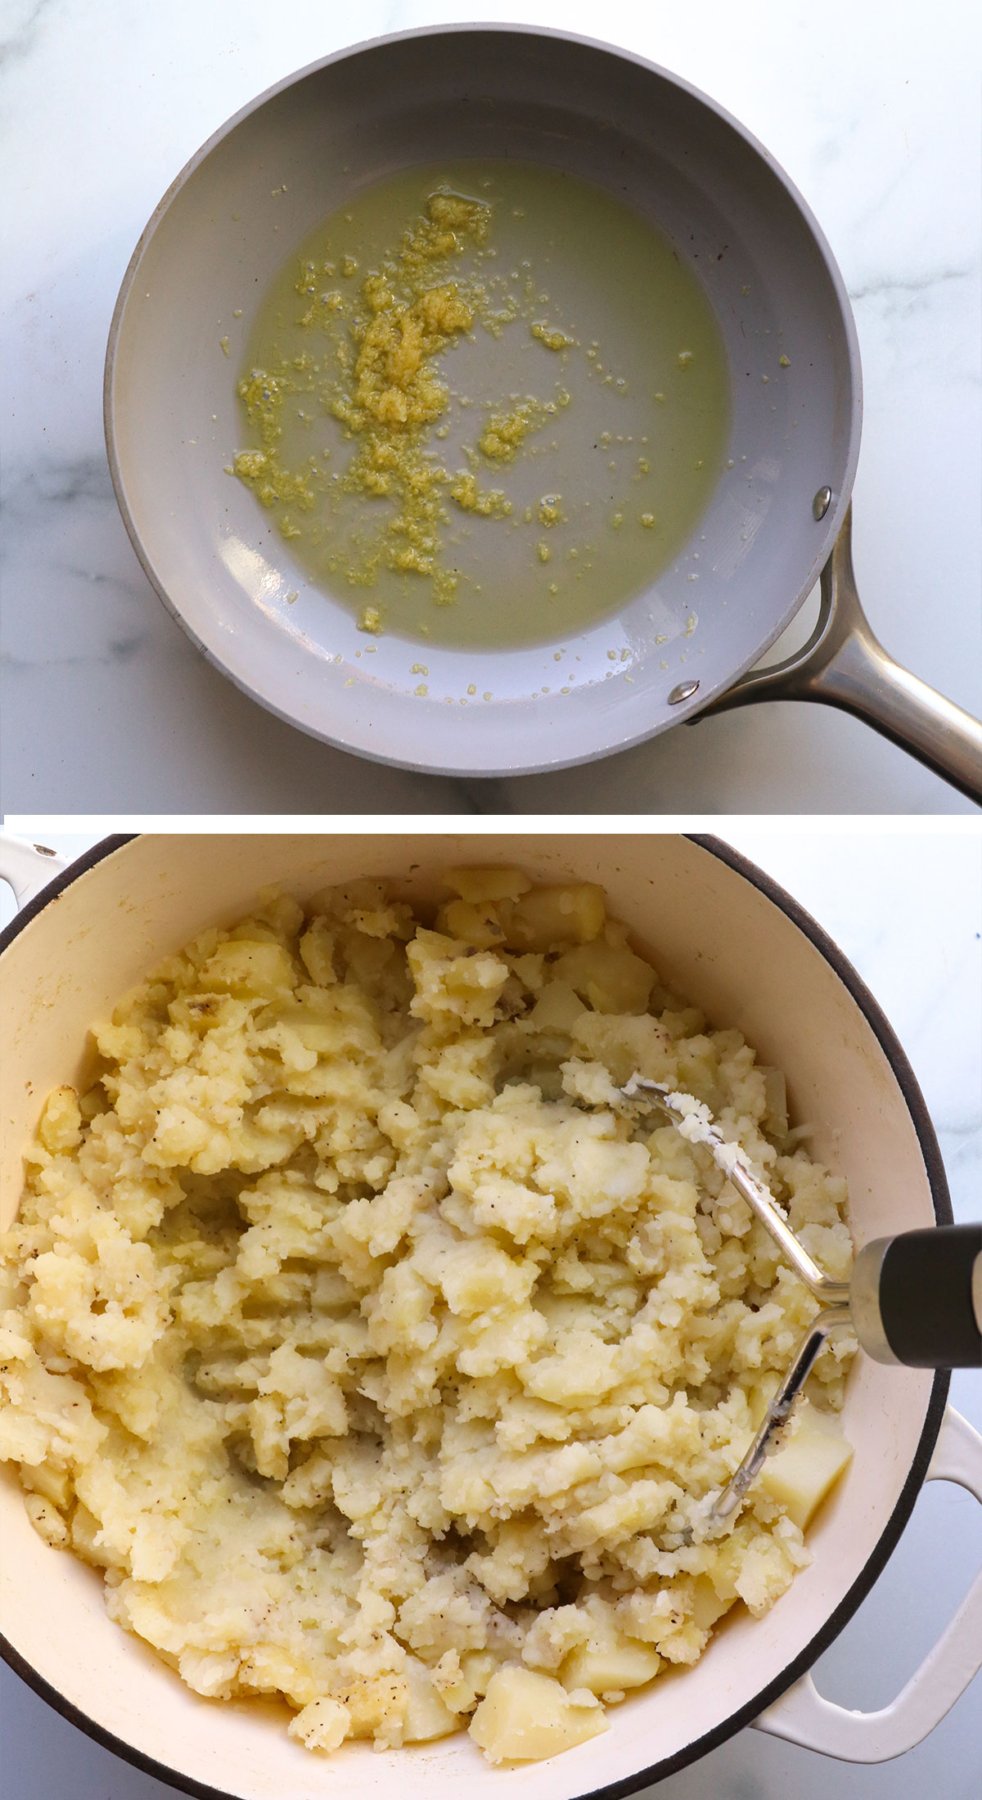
x: 43, y: 850
x: 684, y: 691
x: 821, y: 503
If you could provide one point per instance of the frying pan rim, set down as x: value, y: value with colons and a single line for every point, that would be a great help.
x: 890, y: 1536
x: 689, y: 710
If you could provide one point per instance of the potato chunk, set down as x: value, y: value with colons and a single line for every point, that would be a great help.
x: 427, y: 1716
x: 550, y: 917
x: 322, y: 1725
x: 241, y: 966
x: 525, y: 1716
x: 608, y: 1662
x: 707, y: 1607
x: 609, y: 977
x: 476, y: 884
x: 799, y: 1476
x: 60, y: 1125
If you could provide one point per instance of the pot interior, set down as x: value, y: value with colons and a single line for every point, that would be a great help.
x: 299, y: 155
x: 728, y: 946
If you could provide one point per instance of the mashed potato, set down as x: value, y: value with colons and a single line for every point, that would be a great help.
x: 378, y: 1360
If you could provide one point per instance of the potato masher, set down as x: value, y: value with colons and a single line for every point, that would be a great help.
x: 915, y: 1298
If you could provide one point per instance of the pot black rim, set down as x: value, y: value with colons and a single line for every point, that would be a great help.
x: 889, y: 1537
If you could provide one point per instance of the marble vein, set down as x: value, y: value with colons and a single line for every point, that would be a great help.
x: 23, y: 41
x: 31, y: 491
x: 913, y: 284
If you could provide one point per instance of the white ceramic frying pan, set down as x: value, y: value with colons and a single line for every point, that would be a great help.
x: 773, y: 522
x: 743, y: 950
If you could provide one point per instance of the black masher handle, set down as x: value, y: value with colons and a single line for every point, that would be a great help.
x: 917, y: 1298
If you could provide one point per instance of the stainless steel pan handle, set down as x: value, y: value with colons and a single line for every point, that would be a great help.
x: 843, y: 664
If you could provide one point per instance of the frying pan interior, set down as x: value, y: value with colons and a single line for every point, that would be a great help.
x: 290, y: 161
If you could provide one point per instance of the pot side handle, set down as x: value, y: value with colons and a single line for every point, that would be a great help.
x: 803, y: 1717
x: 27, y: 868
x: 843, y: 664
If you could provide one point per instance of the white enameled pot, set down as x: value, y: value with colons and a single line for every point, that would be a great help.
x: 751, y: 958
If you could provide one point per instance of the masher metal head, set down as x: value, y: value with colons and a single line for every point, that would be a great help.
x: 915, y: 1298
x: 692, y: 1119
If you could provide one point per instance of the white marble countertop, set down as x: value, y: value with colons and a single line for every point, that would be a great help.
x: 106, y: 705
x: 907, y: 909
